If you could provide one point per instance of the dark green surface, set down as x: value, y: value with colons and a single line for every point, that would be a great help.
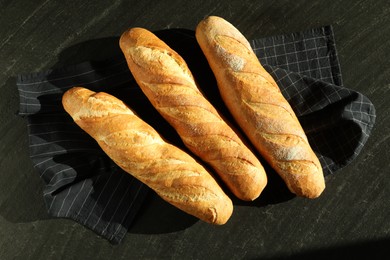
x: 352, y: 217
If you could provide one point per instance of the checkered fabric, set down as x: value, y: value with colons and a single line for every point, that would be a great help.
x: 337, y: 120
x: 83, y: 184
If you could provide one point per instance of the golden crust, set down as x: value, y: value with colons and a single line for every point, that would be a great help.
x: 168, y: 83
x: 256, y: 103
x: 139, y: 150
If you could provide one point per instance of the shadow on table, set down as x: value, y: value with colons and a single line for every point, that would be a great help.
x: 21, y: 201
x: 158, y: 216
x: 155, y: 215
x: 370, y: 249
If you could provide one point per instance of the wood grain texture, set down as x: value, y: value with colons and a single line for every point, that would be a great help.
x: 351, y: 218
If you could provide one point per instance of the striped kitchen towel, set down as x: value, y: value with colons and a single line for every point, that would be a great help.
x: 83, y: 184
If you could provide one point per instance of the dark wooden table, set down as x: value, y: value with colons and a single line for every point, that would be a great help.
x: 352, y: 217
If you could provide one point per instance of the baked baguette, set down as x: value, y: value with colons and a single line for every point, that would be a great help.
x: 166, y: 80
x: 139, y: 150
x: 256, y: 103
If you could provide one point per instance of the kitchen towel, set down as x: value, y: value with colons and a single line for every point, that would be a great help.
x: 83, y: 184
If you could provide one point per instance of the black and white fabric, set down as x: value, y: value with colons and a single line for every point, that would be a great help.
x: 337, y: 120
x: 83, y: 184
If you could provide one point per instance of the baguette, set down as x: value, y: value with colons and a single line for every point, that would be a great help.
x: 255, y: 101
x: 140, y: 151
x: 166, y: 80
